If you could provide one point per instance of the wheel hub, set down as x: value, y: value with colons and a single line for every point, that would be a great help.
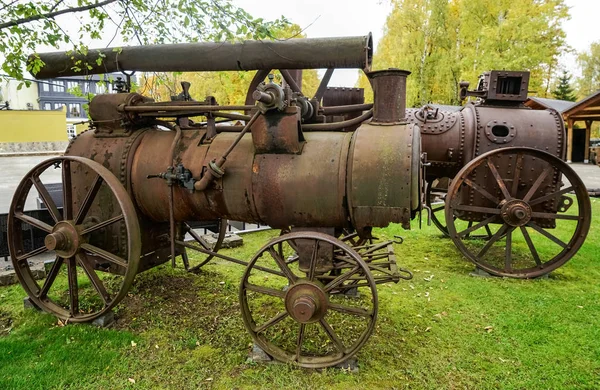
x: 64, y: 239
x: 516, y: 212
x: 306, y: 302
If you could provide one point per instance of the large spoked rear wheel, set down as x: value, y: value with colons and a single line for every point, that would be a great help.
x: 537, y: 210
x: 94, y: 240
x: 306, y: 316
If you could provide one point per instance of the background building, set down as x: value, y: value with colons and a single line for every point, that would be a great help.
x: 43, y: 116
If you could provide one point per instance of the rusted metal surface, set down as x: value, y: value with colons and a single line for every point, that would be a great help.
x: 381, y: 168
x: 389, y: 91
x: 308, y: 53
x: 452, y: 139
x: 336, y: 97
x: 279, y: 132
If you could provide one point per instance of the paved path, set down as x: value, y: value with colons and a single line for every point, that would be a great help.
x: 590, y: 174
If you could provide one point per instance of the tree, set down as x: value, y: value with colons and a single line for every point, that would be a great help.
x: 27, y: 25
x: 563, y: 90
x: 446, y: 41
x: 589, y: 61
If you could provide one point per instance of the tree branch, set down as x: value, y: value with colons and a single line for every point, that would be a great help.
x: 49, y: 15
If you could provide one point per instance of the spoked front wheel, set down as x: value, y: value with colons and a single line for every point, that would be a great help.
x: 297, y: 311
x: 535, y: 206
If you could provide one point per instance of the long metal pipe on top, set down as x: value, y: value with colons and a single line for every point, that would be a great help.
x: 302, y: 53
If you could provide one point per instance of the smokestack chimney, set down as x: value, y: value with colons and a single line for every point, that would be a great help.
x: 389, y: 95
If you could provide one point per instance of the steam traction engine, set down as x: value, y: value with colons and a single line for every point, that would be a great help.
x: 144, y: 170
x: 496, y: 182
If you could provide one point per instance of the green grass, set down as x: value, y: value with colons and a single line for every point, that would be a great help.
x: 442, y: 330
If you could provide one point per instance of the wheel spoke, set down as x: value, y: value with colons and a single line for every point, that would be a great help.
x: 91, y: 274
x: 102, y: 224
x: 88, y: 200
x: 517, y: 175
x: 537, y: 183
x: 341, y: 279
x: 508, y: 251
x: 67, y: 190
x: 436, y: 209
x: 491, y: 241
x: 534, y: 253
x: 358, y: 311
x: 293, y: 245
x: 104, y: 254
x: 476, y: 209
x: 51, y: 277
x: 323, y: 85
x: 273, y: 321
x: 481, y: 224
x: 34, y: 222
x: 551, y: 196
x: 483, y: 192
x: 300, y: 340
x: 264, y: 290
x: 332, y: 336
x: 283, y: 266
x: 544, y: 233
x: 46, y: 198
x: 313, y: 261
x: 556, y: 216
x: 34, y: 252
x: 73, y: 288
x: 499, y: 180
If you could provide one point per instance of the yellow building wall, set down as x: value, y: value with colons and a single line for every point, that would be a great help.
x: 32, y: 126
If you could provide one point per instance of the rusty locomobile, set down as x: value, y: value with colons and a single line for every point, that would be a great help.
x: 324, y: 169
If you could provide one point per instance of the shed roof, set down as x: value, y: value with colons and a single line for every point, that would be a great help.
x: 542, y: 103
x: 587, y: 109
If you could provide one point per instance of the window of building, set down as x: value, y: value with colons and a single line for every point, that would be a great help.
x: 59, y: 86
x: 74, y: 110
x: 58, y: 106
x: 45, y: 87
x: 100, y: 87
x: 72, y: 85
x: 47, y: 106
x: 86, y: 87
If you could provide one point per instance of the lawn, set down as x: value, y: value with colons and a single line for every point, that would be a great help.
x: 444, y: 329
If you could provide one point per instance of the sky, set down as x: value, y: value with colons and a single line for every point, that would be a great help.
x: 330, y: 18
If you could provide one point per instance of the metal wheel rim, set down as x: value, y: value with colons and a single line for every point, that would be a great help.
x: 441, y: 227
x: 278, y: 353
x: 577, y: 239
x: 23, y: 271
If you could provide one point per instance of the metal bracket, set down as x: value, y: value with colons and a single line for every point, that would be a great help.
x: 177, y: 175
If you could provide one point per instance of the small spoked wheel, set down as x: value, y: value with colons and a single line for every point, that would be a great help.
x: 94, y: 241
x: 535, y: 206
x: 298, y: 311
x: 222, y: 231
x: 351, y: 237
